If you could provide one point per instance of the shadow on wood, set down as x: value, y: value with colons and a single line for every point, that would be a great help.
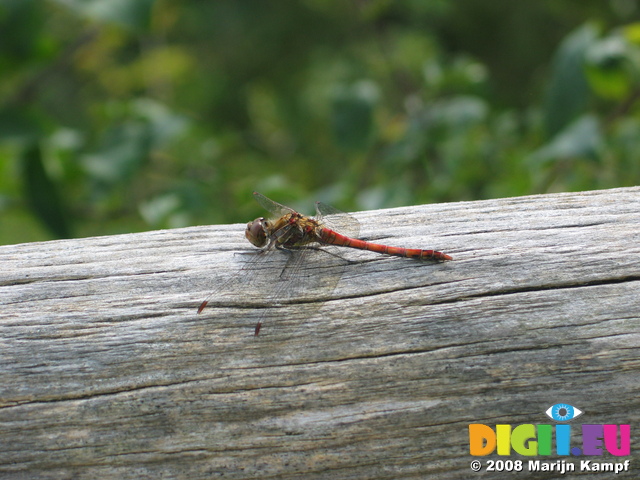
x: 107, y: 371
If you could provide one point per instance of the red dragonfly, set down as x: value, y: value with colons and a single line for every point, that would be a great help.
x: 293, y: 232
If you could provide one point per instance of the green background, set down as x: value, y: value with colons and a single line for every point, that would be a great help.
x: 130, y: 115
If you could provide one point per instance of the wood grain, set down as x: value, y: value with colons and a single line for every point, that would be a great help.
x: 108, y: 372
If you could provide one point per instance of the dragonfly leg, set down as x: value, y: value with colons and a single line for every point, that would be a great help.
x: 289, y: 252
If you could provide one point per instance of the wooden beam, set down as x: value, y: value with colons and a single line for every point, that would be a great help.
x: 108, y: 372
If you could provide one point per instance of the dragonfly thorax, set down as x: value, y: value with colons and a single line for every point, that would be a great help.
x: 292, y: 230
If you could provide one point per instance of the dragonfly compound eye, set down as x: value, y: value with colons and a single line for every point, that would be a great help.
x: 255, y: 232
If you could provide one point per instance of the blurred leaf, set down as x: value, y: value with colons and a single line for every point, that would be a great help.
x: 124, y: 149
x: 352, y: 118
x: 606, y: 70
x: 460, y: 112
x: 568, y: 91
x: 582, y: 138
x: 17, y: 125
x: 134, y: 14
x: 440, y: 126
x: 164, y: 125
x: 159, y: 209
x: 632, y: 33
x: 19, y: 20
x: 42, y: 194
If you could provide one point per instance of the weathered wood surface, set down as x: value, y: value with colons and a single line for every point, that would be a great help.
x: 107, y: 371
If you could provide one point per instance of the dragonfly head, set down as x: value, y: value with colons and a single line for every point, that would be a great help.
x: 256, y: 232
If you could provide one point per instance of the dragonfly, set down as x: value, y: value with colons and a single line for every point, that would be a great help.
x: 296, y: 234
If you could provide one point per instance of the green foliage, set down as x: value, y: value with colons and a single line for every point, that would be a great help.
x: 122, y: 115
x: 42, y: 194
x: 568, y: 91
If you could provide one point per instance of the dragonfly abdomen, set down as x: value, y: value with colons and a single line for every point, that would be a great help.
x: 334, y: 238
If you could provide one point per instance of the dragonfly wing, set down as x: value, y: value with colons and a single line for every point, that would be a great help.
x: 271, y: 206
x: 338, y: 220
